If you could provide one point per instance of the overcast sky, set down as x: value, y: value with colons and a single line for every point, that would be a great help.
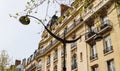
x: 19, y: 40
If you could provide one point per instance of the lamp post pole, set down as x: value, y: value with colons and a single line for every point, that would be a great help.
x: 25, y: 20
x: 64, y: 46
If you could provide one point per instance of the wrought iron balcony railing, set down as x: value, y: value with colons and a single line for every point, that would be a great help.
x: 105, y: 26
x: 89, y: 36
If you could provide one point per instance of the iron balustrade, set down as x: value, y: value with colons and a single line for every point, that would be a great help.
x: 89, y: 35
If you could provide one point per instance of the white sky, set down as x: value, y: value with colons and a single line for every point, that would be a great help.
x: 19, y: 40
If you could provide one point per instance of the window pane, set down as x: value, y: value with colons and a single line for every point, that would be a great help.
x: 93, y: 49
x: 107, y: 42
x: 110, y: 65
x: 94, y: 68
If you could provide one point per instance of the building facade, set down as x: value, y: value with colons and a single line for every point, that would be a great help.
x: 100, y: 17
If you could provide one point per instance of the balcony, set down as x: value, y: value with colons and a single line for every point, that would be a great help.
x: 104, y: 27
x: 74, y: 66
x: 89, y: 36
x: 93, y: 57
x: 96, y: 7
x: 108, y: 50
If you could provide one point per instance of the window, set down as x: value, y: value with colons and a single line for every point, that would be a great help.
x: 107, y: 44
x: 110, y: 65
x: 55, y: 54
x: 48, y: 60
x: 55, y: 68
x: 62, y: 51
x: 39, y: 65
x: 105, y: 19
x: 74, y: 44
x: 94, y: 68
x: 74, y: 62
x: 81, y: 57
x: 93, y: 51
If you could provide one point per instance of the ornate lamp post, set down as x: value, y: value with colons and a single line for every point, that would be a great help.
x: 25, y: 20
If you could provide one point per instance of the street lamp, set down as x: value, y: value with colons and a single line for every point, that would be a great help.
x: 25, y: 20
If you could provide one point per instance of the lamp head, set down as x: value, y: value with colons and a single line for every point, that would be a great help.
x: 98, y: 37
x: 24, y: 20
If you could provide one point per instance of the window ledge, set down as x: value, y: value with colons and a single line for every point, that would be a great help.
x: 94, y: 59
x: 111, y: 51
x: 55, y: 60
x: 73, y: 48
x: 75, y: 69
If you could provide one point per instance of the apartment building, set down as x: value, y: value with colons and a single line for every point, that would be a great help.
x: 88, y: 19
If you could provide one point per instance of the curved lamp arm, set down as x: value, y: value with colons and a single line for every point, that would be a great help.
x: 58, y: 38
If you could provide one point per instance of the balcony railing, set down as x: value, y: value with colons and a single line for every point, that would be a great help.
x: 74, y: 66
x: 89, y: 36
x: 94, y: 56
x: 108, y: 49
x: 105, y: 26
x: 96, y: 7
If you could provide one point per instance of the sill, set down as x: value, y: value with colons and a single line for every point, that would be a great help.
x: 75, y: 69
x: 55, y: 60
x: 111, y: 51
x: 48, y: 65
x: 62, y: 55
x: 90, y: 38
x: 73, y: 48
x: 105, y: 29
x: 96, y: 58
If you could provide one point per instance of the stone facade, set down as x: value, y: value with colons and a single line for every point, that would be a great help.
x: 100, y: 17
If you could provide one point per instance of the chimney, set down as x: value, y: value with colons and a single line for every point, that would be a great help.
x: 17, y: 62
x: 63, y: 8
x: 24, y: 62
